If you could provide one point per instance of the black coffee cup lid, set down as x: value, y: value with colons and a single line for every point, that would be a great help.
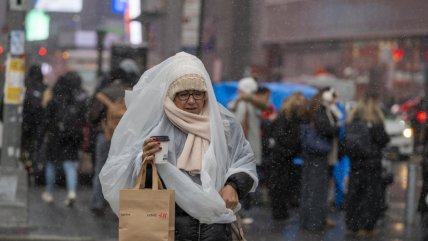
x: 161, y: 138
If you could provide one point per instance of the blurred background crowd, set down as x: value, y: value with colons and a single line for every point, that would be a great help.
x: 329, y: 94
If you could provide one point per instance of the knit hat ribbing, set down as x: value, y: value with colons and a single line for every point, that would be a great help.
x: 186, y: 82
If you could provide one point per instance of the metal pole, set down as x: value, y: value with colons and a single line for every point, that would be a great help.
x: 411, y: 193
x: 201, y: 29
x: 13, y: 177
x: 12, y: 113
x: 100, y: 49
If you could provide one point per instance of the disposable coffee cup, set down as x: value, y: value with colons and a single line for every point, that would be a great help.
x: 162, y: 156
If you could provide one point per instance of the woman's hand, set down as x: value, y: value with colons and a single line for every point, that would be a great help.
x: 150, y: 147
x: 230, y: 196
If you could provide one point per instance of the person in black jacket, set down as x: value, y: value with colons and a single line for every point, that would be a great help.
x: 423, y: 196
x: 315, y: 169
x: 97, y: 114
x: 285, y: 134
x: 364, y: 199
x: 63, y: 131
x: 32, y: 115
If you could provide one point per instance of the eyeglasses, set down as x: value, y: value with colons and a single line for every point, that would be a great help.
x: 185, y: 95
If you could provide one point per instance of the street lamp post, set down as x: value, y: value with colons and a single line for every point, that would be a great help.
x: 200, y: 29
x: 100, y: 50
x: 13, y: 177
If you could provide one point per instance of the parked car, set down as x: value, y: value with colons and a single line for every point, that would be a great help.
x: 414, y: 111
x: 402, y: 137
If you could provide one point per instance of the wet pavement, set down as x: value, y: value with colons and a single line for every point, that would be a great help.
x: 55, y: 221
x: 391, y: 227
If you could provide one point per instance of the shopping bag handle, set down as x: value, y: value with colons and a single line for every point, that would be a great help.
x: 141, y: 179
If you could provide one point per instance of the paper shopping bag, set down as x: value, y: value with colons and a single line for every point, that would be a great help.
x: 147, y: 214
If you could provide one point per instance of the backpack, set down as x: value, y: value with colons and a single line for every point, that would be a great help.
x: 70, y: 119
x: 358, y: 140
x: 115, y: 111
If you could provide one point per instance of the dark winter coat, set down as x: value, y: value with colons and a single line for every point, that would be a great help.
x: 286, y: 134
x: 58, y: 147
x: 364, y: 200
x: 323, y: 125
x: 188, y: 228
x: 423, y: 206
x: 32, y: 115
x: 314, y: 182
x: 378, y: 139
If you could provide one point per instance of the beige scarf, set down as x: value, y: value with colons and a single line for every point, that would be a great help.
x: 197, y: 128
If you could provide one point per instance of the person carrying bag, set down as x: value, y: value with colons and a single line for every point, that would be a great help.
x: 207, y: 161
x: 144, y: 213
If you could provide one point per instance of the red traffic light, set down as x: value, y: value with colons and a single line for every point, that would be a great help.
x: 421, y: 116
x: 1, y: 50
x: 43, y: 51
x: 397, y: 54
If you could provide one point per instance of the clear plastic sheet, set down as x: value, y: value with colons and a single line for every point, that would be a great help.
x: 228, y: 152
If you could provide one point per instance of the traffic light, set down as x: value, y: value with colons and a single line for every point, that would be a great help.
x: 1, y: 50
x: 397, y: 54
x: 421, y: 116
x: 42, y: 51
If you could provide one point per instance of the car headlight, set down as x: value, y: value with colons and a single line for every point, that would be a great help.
x: 408, y: 132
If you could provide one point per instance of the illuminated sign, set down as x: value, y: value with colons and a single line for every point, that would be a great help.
x: 37, y: 25
x: 71, y: 6
x: 118, y: 6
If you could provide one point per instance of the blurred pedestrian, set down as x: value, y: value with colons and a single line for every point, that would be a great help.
x: 316, y: 169
x: 365, y: 137
x: 63, y: 130
x: 210, y: 165
x: 342, y: 167
x: 267, y: 115
x: 32, y: 116
x: 102, y: 131
x: 331, y: 100
x: 286, y: 137
x: 423, y: 196
x: 126, y: 70
x: 249, y: 115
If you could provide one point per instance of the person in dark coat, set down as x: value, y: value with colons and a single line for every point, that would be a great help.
x: 423, y: 196
x: 364, y: 199
x: 63, y: 130
x: 285, y: 134
x: 96, y: 115
x: 315, y: 168
x: 32, y: 115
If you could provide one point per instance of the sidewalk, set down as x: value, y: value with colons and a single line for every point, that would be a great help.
x: 56, y: 222
x: 392, y: 227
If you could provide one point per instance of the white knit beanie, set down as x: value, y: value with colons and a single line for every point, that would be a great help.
x: 186, y: 82
x: 248, y: 85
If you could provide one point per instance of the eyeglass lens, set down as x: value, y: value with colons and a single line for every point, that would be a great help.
x: 185, y: 95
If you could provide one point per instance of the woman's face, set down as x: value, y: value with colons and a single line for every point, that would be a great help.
x: 191, y: 101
